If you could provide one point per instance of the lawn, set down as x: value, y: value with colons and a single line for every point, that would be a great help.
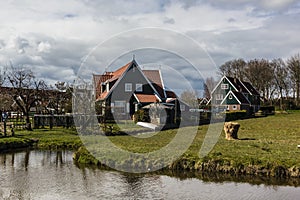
x: 264, y: 143
x: 57, y: 138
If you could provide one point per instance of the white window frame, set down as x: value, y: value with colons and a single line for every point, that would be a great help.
x: 224, y: 86
x: 120, y: 105
x: 128, y: 87
x: 139, y: 87
x: 234, y: 107
x: 107, y: 87
x: 230, y: 96
x: 182, y: 107
x: 219, y: 97
x: 112, y: 105
x: 127, y: 107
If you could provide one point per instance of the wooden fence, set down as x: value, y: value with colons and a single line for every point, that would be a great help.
x: 42, y: 121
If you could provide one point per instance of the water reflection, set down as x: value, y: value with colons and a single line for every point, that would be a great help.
x: 53, y: 175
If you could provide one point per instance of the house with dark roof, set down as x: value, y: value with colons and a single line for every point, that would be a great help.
x: 232, y: 94
x: 122, y: 92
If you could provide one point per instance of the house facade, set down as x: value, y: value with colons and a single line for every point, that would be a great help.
x: 119, y: 94
x: 232, y: 94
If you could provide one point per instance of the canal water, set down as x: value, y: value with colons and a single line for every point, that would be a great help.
x: 53, y: 175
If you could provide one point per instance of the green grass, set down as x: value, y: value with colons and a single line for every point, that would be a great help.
x: 264, y: 141
x: 267, y: 142
x: 271, y: 139
x: 57, y: 138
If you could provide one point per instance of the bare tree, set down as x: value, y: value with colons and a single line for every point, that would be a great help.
x: 234, y: 68
x: 281, y: 78
x: 293, y: 65
x: 1, y: 78
x: 84, y: 106
x: 209, y: 85
x: 60, y: 98
x: 190, y: 97
x: 26, y: 91
x: 260, y: 74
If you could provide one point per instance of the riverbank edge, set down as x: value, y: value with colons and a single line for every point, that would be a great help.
x: 197, y: 165
x: 35, y: 143
x: 18, y: 143
x: 205, y: 165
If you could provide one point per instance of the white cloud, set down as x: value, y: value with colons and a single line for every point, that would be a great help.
x: 277, y: 4
x: 44, y: 47
x: 55, y: 36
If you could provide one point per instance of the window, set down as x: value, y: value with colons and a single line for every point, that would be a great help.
x: 119, y: 107
x: 234, y: 107
x: 107, y: 87
x: 128, y: 87
x: 112, y: 105
x: 224, y: 86
x: 139, y: 87
x: 219, y: 96
x: 230, y: 96
x: 182, y: 107
x: 127, y: 107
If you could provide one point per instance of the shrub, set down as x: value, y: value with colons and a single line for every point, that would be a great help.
x: 268, y: 110
x: 141, y: 116
x: 235, y: 115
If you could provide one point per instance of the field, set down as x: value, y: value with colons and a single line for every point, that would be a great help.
x: 266, y: 145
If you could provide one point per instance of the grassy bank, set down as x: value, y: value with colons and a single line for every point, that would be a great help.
x: 267, y: 146
x: 57, y: 138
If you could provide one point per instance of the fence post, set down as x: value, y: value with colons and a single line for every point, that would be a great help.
x: 51, y: 121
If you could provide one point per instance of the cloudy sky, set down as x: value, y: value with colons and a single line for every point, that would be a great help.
x: 53, y: 38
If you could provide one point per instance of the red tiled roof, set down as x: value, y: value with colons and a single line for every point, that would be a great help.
x: 108, y: 76
x: 146, y: 98
x: 98, y: 79
x: 116, y: 74
x: 154, y: 77
x: 103, y: 95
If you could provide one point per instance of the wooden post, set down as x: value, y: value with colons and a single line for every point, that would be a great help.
x: 4, y: 127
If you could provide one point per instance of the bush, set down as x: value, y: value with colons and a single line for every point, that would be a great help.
x: 141, y: 116
x: 268, y: 110
x: 235, y: 115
